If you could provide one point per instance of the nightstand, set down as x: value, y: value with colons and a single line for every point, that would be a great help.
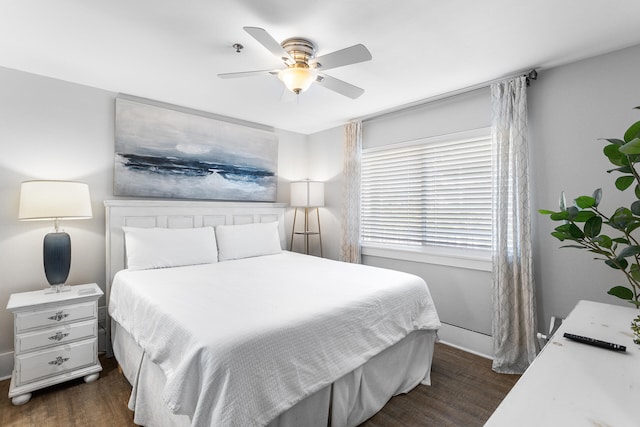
x: 55, y: 338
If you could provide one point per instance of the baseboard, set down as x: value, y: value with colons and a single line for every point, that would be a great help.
x: 464, y: 339
x: 6, y: 365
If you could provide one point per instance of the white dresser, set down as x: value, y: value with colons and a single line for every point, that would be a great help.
x: 55, y: 338
x: 574, y: 384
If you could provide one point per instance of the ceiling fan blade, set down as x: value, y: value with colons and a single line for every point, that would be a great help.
x: 340, y: 86
x: 267, y: 41
x: 246, y: 74
x: 349, y: 55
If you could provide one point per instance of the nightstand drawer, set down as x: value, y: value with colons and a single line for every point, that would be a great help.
x: 41, y: 364
x: 61, y: 334
x: 27, y: 320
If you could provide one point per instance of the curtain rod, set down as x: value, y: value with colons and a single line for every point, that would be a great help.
x: 531, y: 75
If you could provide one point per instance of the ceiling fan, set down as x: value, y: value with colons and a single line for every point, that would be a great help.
x: 303, y: 67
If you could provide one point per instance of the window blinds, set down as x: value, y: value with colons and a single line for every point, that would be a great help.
x: 434, y: 191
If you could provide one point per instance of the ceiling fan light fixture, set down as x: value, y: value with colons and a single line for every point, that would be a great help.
x: 298, y: 78
x: 302, y: 66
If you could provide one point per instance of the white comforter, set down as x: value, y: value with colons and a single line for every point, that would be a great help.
x: 242, y: 341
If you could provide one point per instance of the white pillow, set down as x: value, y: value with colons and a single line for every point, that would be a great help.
x: 247, y: 240
x: 169, y: 247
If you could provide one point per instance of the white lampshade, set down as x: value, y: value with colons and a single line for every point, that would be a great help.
x: 298, y: 79
x: 46, y: 200
x: 307, y: 194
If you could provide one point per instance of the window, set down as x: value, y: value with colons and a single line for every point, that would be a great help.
x: 429, y: 192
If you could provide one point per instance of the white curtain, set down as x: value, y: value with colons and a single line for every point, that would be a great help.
x: 350, y: 236
x: 513, y: 293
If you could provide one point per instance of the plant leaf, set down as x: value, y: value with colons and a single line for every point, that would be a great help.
x: 619, y: 264
x: 545, y: 212
x: 614, y: 141
x: 612, y: 151
x: 631, y: 147
x: 624, y: 182
x: 632, y: 133
x: 622, y: 169
x: 604, y: 241
x: 621, y: 218
x: 621, y: 240
x: 632, y: 226
x: 593, y: 226
x: 558, y: 235
x: 597, y: 196
x: 629, y: 251
x: 573, y: 212
x: 585, y: 202
x: 621, y: 292
x: 635, y: 207
x: 583, y: 216
x: 560, y: 216
x: 575, y: 232
x: 599, y: 251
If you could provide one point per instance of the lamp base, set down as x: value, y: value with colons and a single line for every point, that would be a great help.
x: 56, y: 253
x: 56, y: 289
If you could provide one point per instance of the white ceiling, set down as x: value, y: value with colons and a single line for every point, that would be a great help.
x: 172, y: 50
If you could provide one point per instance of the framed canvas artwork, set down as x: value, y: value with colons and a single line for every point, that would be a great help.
x: 166, y: 153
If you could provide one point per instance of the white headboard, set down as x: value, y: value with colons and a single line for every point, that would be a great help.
x: 177, y: 214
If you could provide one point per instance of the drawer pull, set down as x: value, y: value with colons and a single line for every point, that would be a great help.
x: 58, y: 361
x: 59, y: 316
x: 58, y: 336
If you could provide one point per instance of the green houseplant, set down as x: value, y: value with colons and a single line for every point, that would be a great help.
x: 612, y: 238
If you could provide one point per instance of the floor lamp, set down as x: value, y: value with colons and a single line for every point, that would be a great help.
x: 55, y: 200
x: 308, y: 195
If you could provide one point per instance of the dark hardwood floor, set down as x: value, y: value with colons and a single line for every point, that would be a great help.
x: 74, y: 403
x: 464, y: 392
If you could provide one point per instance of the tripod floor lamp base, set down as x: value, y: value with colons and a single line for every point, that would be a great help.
x: 306, y: 233
x: 308, y: 195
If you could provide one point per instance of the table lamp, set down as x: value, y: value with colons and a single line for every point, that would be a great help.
x: 55, y: 200
x: 308, y: 195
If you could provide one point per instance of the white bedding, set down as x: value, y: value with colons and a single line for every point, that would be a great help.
x: 242, y: 341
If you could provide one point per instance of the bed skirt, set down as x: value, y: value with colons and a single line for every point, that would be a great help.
x: 349, y: 401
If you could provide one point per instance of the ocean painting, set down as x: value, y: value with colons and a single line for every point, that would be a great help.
x: 166, y: 153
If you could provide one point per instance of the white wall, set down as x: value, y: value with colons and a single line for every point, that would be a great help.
x: 325, y: 164
x: 463, y: 112
x: 51, y: 129
x: 570, y: 108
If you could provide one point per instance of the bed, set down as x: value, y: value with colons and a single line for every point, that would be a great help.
x: 259, y: 335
